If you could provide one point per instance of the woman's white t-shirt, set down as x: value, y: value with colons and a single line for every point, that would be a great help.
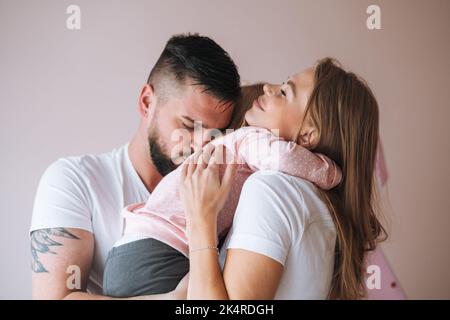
x: 282, y: 217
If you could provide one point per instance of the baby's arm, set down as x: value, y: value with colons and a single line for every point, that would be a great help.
x: 260, y: 149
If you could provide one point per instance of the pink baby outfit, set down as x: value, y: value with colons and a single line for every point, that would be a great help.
x: 162, y: 217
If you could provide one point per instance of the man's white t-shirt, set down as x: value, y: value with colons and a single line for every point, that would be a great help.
x: 282, y: 217
x: 88, y: 193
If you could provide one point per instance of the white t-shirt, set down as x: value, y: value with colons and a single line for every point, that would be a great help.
x: 283, y: 218
x: 88, y: 193
x: 278, y: 215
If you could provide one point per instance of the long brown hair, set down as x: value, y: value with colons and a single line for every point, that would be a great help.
x: 345, y: 113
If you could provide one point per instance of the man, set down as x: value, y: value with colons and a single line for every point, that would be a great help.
x: 76, y: 216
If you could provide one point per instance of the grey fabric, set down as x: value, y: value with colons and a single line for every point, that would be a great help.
x: 142, y: 267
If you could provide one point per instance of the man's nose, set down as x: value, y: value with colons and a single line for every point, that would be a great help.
x: 195, y: 146
x: 197, y: 143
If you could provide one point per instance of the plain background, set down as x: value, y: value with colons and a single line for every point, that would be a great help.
x: 68, y: 92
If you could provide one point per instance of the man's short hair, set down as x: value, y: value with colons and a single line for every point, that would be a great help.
x: 197, y: 60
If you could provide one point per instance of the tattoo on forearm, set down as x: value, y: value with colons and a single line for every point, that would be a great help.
x: 42, y: 241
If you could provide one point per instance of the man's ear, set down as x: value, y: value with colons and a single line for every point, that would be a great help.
x: 309, y: 136
x: 146, y: 100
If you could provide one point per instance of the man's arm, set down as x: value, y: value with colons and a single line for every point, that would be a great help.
x: 61, y: 259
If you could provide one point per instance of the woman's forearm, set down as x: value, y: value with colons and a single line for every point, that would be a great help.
x: 206, y: 281
x: 204, y: 194
x: 205, y: 275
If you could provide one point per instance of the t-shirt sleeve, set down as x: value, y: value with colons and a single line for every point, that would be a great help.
x: 261, y: 223
x: 262, y: 150
x: 62, y: 199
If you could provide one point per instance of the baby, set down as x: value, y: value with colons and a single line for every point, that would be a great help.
x: 152, y: 256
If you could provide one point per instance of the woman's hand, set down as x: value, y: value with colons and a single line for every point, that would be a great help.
x: 202, y: 193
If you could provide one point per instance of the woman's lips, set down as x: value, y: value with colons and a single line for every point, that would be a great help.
x: 257, y: 104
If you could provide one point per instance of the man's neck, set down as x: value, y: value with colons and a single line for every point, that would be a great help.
x: 138, y: 151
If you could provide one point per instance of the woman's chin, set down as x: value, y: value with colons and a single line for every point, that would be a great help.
x: 252, y: 121
x: 255, y: 124
x: 248, y: 119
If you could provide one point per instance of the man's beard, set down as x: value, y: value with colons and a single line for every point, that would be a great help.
x: 160, y: 160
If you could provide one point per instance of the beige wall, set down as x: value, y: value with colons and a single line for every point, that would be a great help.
x: 72, y: 92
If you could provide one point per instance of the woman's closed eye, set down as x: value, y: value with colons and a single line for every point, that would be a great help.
x: 282, y: 91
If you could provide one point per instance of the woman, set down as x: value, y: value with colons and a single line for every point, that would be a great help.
x: 325, y: 234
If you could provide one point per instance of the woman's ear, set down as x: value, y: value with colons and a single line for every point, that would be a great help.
x: 146, y: 100
x: 309, y: 136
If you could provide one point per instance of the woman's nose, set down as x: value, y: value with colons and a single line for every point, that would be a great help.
x: 268, y: 90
